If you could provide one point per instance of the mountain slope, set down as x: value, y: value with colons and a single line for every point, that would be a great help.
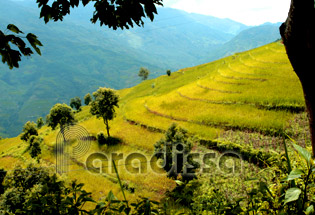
x: 248, y: 39
x: 250, y: 98
x: 77, y: 56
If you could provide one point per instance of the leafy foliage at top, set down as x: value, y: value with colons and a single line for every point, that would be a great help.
x: 115, y: 13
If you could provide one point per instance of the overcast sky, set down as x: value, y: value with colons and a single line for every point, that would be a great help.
x: 249, y: 12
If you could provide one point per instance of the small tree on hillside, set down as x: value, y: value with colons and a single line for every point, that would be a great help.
x: 40, y: 122
x: 29, y: 129
x: 168, y: 72
x: 34, y: 147
x: 143, y: 73
x: 103, y: 106
x: 174, y: 150
x: 60, y: 114
x: 87, y: 99
x: 75, y: 103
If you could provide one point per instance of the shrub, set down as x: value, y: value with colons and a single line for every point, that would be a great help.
x: 40, y: 122
x: 29, y: 129
x: 101, y: 139
x: 168, y: 72
x: 87, y: 99
x: 76, y: 103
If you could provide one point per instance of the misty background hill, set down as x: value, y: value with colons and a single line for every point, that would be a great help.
x: 78, y: 57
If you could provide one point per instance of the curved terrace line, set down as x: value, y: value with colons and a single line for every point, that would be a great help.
x: 251, y: 66
x: 218, y: 90
x: 263, y: 61
x: 271, y: 107
x: 222, y: 125
x: 245, y: 73
x: 242, y: 78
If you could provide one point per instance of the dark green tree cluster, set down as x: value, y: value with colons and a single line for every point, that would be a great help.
x: 174, y: 149
x: 34, y: 146
x: 30, y: 135
x: 104, y: 104
x: 36, y: 191
x: 29, y: 129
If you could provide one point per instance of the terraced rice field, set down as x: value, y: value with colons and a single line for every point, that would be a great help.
x: 249, y: 98
x: 253, y: 92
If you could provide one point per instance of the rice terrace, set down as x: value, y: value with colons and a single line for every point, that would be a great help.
x: 219, y: 118
x: 243, y: 102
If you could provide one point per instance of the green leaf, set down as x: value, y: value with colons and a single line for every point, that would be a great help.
x: 303, y: 153
x: 32, y: 39
x: 178, y: 182
x: 296, y: 173
x: 309, y: 210
x: 14, y: 29
x: 292, y: 195
x: 111, y: 196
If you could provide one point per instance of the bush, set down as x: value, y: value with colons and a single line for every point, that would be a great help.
x: 101, y: 139
x: 35, y: 190
x: 76, y: 103
x: 168, y: 72
x: 87, y: 99
x: 29, y: 129
x: 109, y: 141
x: 40, y: 122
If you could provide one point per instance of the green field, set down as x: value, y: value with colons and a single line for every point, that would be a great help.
x: 247, y: 99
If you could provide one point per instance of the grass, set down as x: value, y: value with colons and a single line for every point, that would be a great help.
x: 247, y: 98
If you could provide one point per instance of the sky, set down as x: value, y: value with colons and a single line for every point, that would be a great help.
x: 249, y: 12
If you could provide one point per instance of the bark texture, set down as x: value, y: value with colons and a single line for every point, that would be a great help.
x: 298, y: 35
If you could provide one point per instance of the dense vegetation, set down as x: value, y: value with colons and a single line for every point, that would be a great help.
x: 237, y: 107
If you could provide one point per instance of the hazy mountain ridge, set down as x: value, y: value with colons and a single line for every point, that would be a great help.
x: 78, y: 56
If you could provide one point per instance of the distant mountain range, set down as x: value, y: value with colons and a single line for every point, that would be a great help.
x: 78, y: 56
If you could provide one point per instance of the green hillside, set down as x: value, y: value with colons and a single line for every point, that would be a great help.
x: 244, y: 101
x: 78, y: 56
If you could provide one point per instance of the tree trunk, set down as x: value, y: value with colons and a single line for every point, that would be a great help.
x: 107, y: 126
x: 298, y: 35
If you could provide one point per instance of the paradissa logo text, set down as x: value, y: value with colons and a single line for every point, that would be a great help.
x: 227, y: 162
